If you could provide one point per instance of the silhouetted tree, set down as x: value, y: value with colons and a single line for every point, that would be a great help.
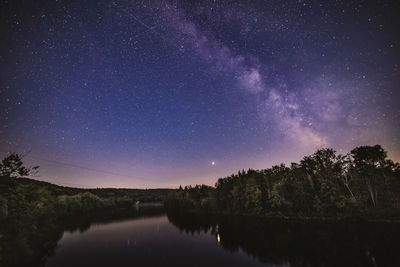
x: 367, y: 161
x: 322, y: 184
x: 12, y: 166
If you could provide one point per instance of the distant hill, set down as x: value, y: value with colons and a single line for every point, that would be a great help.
x: 33, y: 214
x: 143, y: 195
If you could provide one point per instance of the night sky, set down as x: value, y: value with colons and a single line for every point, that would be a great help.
x: 150, y: 93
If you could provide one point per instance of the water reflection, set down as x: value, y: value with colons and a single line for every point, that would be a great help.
x: 300, y: 243
x: 149, y: 241
x: 31, y: 246
x: 153, y: 238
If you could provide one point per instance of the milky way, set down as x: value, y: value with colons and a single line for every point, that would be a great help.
x: 150, y: 93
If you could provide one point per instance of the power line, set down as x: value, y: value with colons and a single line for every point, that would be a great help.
x: 92, y: 169
x: 79, y: 167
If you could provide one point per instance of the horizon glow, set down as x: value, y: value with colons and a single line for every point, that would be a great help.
x: 165, y: 93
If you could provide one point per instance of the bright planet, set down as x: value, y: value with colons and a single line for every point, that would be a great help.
x: 114, y: 114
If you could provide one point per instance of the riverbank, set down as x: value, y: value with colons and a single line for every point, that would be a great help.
x: 299, y: 242
x: 34, y: 213
x: 29, y: 244
x: 279, y: 217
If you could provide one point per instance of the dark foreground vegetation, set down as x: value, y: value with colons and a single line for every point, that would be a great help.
x: 30, y: 244
x: 32, y: 210
x: 362, y: 184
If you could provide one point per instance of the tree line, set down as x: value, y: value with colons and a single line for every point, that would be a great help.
x: 22, y: 198
x: 33, y: 213
x: 363, y: 182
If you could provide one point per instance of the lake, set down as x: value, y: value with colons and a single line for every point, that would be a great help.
x: 187, y: 240
x: 149, y: 241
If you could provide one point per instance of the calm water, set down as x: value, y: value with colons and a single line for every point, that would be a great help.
x: 150, y: 241
x: 179, y: 240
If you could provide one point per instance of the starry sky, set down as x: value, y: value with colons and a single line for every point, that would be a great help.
x: 150, y: 94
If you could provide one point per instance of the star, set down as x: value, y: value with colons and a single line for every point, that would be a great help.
x: 153, y: 88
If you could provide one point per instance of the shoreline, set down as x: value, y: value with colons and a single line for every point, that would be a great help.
x: 289, y: 218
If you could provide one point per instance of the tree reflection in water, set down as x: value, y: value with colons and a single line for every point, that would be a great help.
x: 31, y: 246
x: 300, y: 243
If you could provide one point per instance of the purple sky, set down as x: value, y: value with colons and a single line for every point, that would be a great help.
x: 149, y: 94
